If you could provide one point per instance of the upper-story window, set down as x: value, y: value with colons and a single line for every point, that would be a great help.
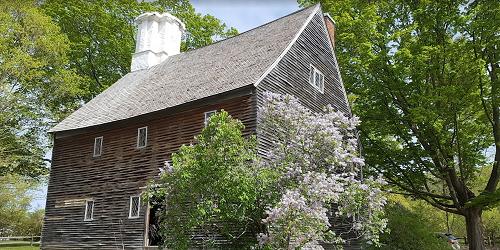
x: 135, y: 205
x: 208, y: 115
x: 317, y: 79
x: 89, y: 210
x: 98, y: 146
x: 142, y: 137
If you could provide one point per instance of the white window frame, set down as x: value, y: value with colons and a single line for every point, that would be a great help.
x: 91, y: 211
x: 95, y: 146
x: 139, y: 137
x: 207, y: 116
x: 138, y: 207
x: 313, y: 74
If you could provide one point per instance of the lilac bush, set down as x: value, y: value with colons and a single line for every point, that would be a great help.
x: 316, y: 164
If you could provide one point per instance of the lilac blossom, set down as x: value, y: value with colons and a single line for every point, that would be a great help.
x: 315, y: 156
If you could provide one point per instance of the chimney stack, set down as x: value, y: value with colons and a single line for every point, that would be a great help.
x: 158, y: 37
x: 330, y: 27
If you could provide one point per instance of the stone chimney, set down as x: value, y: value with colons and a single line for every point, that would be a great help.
x: 330, y: 27
x: 158, y: 37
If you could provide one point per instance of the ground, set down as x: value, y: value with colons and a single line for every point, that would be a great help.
x: 17, y: 245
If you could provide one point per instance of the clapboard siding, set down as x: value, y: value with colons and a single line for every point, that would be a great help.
x: 291, y: 76
x: 121, y: 171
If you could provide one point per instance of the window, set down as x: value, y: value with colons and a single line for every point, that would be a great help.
x: 142, y: 137
x: 97, y: 146
x: 135, y: 204
x: 208, y: 115
x: 317, y: 79
x: 89, y: 210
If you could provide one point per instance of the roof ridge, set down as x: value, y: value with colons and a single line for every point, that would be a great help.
x: 165, y: 85
x: 247, y: 31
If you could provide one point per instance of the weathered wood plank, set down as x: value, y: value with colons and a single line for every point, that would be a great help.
x: 121, y: 171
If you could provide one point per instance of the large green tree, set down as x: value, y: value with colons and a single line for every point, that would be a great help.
x: 102, y: 34
x: 424, y: 81
x: 16, y: 217
x: 35, y: 85
x: 56, y: 55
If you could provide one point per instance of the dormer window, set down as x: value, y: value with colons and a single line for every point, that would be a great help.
x: 208, y: 115
x: 317, y: 79
x: 97, y: 146
x: 142, y: 137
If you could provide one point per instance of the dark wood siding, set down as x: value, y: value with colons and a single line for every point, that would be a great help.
x: 121, y: 171
x: 291, y: 76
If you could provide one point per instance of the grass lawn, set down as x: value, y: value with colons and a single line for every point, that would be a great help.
x: 19, y: 248
x: 17, y: 245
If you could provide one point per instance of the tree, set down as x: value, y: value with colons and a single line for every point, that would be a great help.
x: 56, y: 55
x: 315, y: 164
x: 424, y: 80
x: 219, y: 186
x: 16, y: 219
x: 412, y: 226
x: 211, y: 188
x: 102, y: 35
x: 36, y: 86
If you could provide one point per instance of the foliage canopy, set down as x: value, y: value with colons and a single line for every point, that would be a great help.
x: 424, y: 81
x: 55, y: 55
x: 219, y: 186
x: 211, y: 187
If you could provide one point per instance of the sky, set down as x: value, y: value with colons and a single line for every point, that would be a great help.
x: 245, y: 15
x: 240, y: 14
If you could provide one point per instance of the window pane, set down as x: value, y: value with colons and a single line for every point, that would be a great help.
x: 322, y: 83
x: 208, y: 115
x: 316, y: 79
x: 142, y: 136
x: 89, y: 210
x: 97, y: 146
x: 134, y: 206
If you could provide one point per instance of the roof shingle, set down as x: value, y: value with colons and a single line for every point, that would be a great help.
x: 223, y: 66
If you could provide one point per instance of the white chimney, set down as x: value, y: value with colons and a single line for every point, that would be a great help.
x: 158, y: 37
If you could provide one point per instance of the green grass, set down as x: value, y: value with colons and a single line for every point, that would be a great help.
x: 19, y: 248
x: 17, y: 245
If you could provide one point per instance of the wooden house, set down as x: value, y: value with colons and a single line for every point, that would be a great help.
x: 106, y: 152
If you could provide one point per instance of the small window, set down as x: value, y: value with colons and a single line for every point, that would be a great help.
x: 317, y: 79
x: 97, y: 146
x: 208, y: 115
x: 142, y: 137
x: 135, y: 204
x: 89, y: 210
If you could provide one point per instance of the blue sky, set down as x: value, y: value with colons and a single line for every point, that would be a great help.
x: 243, y: 15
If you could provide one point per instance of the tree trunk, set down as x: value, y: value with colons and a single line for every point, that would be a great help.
x: 474, y: 228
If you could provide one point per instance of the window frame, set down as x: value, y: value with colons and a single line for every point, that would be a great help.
x: 207, y: 113
x: 100, y: 146
x: 314, y: 74
x: 91, y: 211
x: 138, y: 207
x: 139, y: 137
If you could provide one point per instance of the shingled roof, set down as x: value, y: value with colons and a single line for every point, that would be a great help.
x: 220, y: 67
